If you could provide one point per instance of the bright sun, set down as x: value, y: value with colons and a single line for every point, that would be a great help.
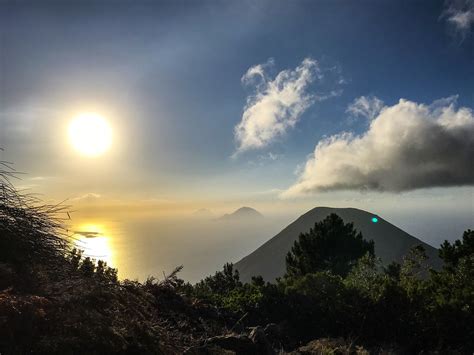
x: 90, y: 134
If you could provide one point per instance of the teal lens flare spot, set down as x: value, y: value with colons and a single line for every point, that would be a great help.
x: 375, y: 219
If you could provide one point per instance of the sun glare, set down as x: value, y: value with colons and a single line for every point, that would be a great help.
x: 93, y: 239
x: 90, y: 134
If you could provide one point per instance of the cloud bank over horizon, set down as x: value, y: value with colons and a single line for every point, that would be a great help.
x: 407, y: 146
x: 277, y: 104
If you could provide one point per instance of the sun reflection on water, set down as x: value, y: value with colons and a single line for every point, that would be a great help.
x: 93, y: 239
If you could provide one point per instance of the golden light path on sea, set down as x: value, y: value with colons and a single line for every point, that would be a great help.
x: 94, y: 240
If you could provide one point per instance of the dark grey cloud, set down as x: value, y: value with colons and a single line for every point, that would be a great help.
x: 407, y: 146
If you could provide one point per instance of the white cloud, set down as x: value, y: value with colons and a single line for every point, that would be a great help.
x: 22, y: 120
x: 88, y: 197
x: 264, y: 159
x: 407, y: 146
x: 276, y: 105
x: 274, y: 192
x: 41, y: 178
x: 365, y: 106
x: 460, y: 14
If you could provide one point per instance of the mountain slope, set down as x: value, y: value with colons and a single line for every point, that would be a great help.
x: 391, y: 243
x: 242, y: 213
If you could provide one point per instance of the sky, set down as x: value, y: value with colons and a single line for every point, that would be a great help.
x: 281, y: 105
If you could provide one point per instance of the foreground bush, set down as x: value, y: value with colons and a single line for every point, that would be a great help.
x: 408, y: 307
x: 53, y: 300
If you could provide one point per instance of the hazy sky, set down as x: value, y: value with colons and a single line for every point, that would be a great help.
x: 277, y: 104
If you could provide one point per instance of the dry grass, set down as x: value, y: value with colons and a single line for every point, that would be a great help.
x: 29, y: 229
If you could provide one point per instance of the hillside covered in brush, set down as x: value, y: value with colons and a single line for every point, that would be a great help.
x: 53, y: 300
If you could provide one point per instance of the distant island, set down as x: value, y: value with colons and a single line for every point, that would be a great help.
x: 243, y: 213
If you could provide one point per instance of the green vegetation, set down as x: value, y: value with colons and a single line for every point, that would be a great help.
x: 408, y: 307
x: 330, y: 246
x: 335, y: 294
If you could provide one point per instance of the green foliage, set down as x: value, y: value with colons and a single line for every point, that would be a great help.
x: 331, y: 245
x: 323, y: 285
x: 90, y: 268
x: 452, y: 290
x: 393, y: 270
x: 406, y: 306
x: 366, y: 277
x: 214, y: 288
x: 414, y: 271
x: 243, y: 299
x: 317, y: 304
x: 452, y: 253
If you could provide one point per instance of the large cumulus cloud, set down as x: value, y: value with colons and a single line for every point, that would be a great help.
x: 407, y: 146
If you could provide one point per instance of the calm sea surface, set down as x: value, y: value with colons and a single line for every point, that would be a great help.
x: 149, y: 247
x: 142, y: 247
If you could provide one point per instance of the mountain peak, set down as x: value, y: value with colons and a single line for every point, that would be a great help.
x: 391, y: 243
x: 242, y: 213
x: 203, y: 213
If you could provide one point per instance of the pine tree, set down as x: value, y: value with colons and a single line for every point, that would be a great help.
x: 331, y: 245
